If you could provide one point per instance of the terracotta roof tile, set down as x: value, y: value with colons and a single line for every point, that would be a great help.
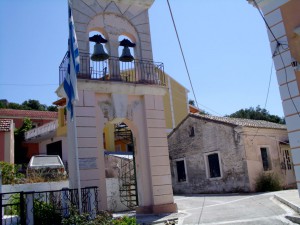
x: 5, y: 124
x: 27, y: 113
x: 242, y: 122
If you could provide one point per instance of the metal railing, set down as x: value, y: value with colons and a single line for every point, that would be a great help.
x: 42, y: 130
x: 48, y: 207
x: 112, y: 69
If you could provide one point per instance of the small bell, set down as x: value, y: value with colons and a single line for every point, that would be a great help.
x: 99, y: 53
x: 126, y: 55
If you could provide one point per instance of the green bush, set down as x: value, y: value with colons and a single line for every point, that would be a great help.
x: 267, y: 182
x: 125, y: 220
x: 13, y: 209
x: 102, y: 218
x: 10, y: 174
x: 45, y: 213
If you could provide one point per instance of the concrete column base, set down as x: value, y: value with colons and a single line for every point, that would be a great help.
x: 157, y: 209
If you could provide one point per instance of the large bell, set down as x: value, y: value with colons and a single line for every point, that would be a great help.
x: 99, y: 53
x: 126, y: 55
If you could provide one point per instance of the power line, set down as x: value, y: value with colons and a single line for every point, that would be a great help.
x: 270, y: 79
x: 28, y: 84
x: 179, y: 42
x: 279, y: 44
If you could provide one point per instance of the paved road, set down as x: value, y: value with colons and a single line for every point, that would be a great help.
x: 254, y: 209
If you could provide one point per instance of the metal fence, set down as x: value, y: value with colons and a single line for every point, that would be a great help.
x: 46, y: 208
x: 112, y: 69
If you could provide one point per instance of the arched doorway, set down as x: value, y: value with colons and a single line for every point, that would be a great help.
x: 120, y: 161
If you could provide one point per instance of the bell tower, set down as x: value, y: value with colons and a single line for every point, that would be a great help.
x: 119, y: 83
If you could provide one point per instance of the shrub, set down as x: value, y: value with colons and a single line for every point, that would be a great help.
x: 102, y: 218
x: 10, y: 174
x: 13, y: 208
x: 125, y: 220
x: 45, y: 175
x: 267, y: 182
x: 45, y: 213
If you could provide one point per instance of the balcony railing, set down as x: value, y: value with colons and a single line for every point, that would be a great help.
x: 112, y: 69
x: 41, y: 131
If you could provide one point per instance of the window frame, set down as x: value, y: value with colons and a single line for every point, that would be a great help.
x: 270, y: 166
x: 207, y: 168
x: 185, y: 170
x: 191, y: 131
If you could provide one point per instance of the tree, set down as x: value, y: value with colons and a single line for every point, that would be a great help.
x: 13, y: 105
x: 27, y: 105
x: 20, y: 151
x: 34, y: 105
x: 257, y: 113
x: 192, y: 102
x: 203, y: 112
x: 52, y: 108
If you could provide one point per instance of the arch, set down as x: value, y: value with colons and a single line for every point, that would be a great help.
x: 122, y: 26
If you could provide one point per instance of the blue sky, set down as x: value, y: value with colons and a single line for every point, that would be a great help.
x: 225, y: 45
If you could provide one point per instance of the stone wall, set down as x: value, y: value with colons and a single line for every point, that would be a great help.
x: 209, y: 137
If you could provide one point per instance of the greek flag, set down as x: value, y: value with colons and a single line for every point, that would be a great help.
x: 70, y: 82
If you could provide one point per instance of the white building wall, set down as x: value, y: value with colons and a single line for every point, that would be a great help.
x: 64, y: 145
x: 286, y: 75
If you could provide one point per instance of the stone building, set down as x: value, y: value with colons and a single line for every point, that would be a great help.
x: 211, y: 154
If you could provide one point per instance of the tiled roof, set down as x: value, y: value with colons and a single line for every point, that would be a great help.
x: 242, y: 122
x: 5, y: 124
x: 27, y: 113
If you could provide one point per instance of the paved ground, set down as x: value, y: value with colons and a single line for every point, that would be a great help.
x: 235, y: 209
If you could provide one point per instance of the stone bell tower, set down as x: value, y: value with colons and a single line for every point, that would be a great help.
x: 121, y: 84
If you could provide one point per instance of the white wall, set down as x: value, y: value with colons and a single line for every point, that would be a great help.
x: 43, y: 146
x: 47, y: 186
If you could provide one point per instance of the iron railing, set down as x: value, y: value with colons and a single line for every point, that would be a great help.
x: 127, y: 178
x: 48, y: 207
x: 112, y: 69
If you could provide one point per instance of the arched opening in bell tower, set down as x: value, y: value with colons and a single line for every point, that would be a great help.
x: 127, y: 60
x: 118, y: 142
x: 98, y: 56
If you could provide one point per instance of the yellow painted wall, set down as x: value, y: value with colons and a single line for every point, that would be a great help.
x: 179, y: 102
x: 62, y: 125
x: 109, y: 137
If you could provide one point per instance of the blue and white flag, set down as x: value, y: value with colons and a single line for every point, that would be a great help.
x: 70, y: 82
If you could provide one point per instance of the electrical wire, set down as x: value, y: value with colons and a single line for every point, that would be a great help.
x: 181, y: 49
x: 279, y: 53
x: 267, y: 97
x: 278, y: 45
x: 29, y: 84
x: 270, y: 79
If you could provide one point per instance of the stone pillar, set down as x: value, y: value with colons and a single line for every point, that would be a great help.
x: 90, y: 153
x: 114, y: 64
x: 158, y: 158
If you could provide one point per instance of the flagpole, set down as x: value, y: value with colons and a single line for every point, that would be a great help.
x: 77, y: 161
x: 71, y: 87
